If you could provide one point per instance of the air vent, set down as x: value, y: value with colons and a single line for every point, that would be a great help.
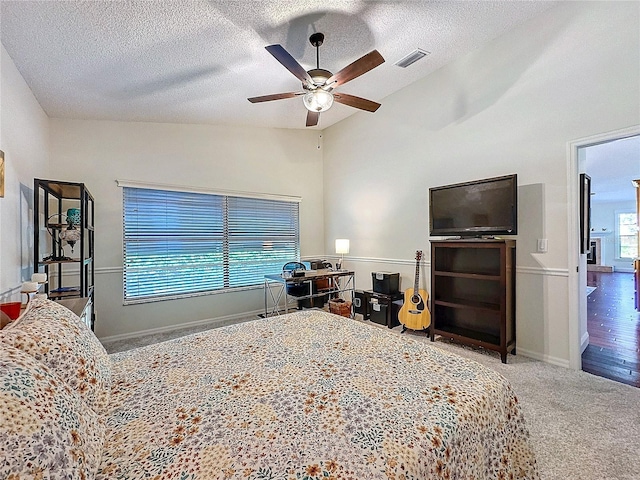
x: 412, y: 58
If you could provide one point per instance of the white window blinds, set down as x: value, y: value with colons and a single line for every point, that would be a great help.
x: 182, y: 243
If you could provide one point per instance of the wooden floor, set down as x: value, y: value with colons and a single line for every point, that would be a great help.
x: 614, y: 328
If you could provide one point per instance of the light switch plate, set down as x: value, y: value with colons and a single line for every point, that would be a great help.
x: 542, y: 245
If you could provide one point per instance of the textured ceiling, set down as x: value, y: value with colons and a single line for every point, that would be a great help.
x: 198, y: 61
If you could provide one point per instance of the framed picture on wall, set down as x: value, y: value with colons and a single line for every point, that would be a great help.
x: 585, y: 213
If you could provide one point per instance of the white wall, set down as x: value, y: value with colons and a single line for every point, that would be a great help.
x: 603, y: 223
x: 510, y: 107
x: 284, y: 162
x: 24, y: 139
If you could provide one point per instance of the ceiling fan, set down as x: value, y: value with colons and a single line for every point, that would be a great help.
x: 318, y: 84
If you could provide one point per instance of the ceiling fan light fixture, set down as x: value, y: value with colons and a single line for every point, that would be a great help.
x: 318, y: 100
x: 318, y: 83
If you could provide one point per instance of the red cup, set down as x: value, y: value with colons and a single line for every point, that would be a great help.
x: 11, y: 309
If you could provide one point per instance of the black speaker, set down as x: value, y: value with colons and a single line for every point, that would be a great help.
x: 361, y: 303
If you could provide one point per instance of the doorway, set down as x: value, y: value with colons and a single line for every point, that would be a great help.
x: 612, y: 321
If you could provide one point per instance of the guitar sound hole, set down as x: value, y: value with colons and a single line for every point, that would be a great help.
x: 416, y: 299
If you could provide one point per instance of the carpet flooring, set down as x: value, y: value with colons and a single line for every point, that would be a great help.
x: 582, y: 427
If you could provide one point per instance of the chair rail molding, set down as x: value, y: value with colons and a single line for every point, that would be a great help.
x: 548, y: 271
x: 555, y: 272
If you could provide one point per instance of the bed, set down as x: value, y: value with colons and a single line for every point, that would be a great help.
x: 306, y: 396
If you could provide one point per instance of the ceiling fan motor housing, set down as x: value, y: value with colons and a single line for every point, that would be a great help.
x: 319, y: 77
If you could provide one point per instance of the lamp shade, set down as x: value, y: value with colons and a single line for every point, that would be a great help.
x: 342, y: 245
x: 30, y: 287
x: 39, y: 277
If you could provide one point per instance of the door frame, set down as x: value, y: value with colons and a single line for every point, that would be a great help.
x: 576, y: 289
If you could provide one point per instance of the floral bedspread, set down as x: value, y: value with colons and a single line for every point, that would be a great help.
x: 309, y: 396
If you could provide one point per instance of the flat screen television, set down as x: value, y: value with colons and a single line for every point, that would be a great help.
x: 479, y: 208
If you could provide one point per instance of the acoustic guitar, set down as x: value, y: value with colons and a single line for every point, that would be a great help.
x: 414, y: 313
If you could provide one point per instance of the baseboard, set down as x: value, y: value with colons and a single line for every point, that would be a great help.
x: 600, y: 268
x: 624, y: 270
x: 215, y: 322
x: 560, y: 362
x: 584, y: 342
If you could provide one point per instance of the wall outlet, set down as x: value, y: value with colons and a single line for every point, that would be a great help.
x: 542, y: 245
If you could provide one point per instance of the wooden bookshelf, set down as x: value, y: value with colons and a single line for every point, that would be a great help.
x: 473, y: 293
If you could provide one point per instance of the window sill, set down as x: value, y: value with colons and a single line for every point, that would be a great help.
x: 191, y: 295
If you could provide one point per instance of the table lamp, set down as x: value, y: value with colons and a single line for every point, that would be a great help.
x: 342, y: 247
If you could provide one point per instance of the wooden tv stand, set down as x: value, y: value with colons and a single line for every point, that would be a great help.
x: 473, y: 293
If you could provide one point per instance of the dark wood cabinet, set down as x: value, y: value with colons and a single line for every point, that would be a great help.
x: 473, y: 293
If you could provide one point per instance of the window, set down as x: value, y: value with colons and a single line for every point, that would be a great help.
x: 627, y: 236
x: 183, y: 243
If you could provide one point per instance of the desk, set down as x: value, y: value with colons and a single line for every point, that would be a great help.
x: 275, y: 287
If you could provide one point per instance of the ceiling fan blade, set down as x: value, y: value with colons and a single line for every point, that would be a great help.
x: 289, y: 63
x: 312, y: 118
x: 370, y: 61
x: 356, y: 102
x: 275, y: 96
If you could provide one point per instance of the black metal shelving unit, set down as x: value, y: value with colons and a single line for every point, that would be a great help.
x: 70, y: 271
